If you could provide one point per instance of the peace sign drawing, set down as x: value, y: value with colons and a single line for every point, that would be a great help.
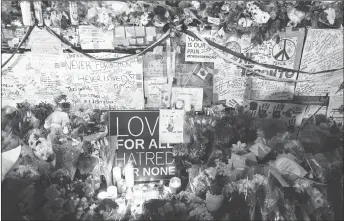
x: 284, y: 50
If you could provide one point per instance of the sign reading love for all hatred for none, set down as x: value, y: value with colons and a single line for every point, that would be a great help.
x: 138, y: 141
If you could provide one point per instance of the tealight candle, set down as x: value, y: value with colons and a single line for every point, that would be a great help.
x: 129, y: 175
x: 138, y: 192
x: 112, y: 192
x: 102, y: 195
x: 121, y: 187
x: 25, y: 7
x: 175, y: 184
x: 117, y: 174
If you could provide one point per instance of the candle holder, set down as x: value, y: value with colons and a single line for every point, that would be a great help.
x: 117, y: 174
x: 112, y: 192
x: 121, y: 187
x: 175, y: 185
x: 102, y: 195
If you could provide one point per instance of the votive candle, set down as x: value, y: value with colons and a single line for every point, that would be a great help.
x: 129, y: 175
x: 121, y: 187
x: 112, y: 192
x: 25, y: 7
x: 117, y: 174
x: 175, y: 184
x: 102, y: 195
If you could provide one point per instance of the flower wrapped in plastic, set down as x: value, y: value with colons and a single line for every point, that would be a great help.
x: 317, y: 205
x: 67, y: 154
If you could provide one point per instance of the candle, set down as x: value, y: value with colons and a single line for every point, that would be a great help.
x: 112, y: 192
x: 175, y: 184
x: 129, y: 175
x: 26, y: 13
x: 38, y: 12
x: 121, y: 187
x: 138, y: 192
x: 117, y: 174
x: 102, y: 195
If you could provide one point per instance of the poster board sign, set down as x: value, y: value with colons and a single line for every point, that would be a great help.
x: 323, y: 51
x: 95, y: 38
x: 198, y: 51
x: 42, y: 42
x: 227, y: 86
x: 188, y: 97
x: 138, y: 141
x: 336, y: 108
x: 171, y: 128
x: 291, y: 114
x: 15, y: 76
x: 285, y: 53
x: 103, y: 85
x: 153, y: 91
x: 154, y: 65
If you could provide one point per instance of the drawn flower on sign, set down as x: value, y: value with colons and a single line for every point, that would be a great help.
x: 170, y: 125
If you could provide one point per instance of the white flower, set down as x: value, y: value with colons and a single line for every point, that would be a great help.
x: 239, y: 145
x: 91, y: 13
x: 331, y: 15
x: 245, y: 22
x: 225, y: 7
x: 261, y: 17
x: 295, y: 16
x: 144, y: 19
x: 195, y: 4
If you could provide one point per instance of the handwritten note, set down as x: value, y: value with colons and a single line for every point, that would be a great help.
x: 105, y: 84
x: 42, y: 42
x: 323, y: 50
x: 336, y: 108
x: 153, y: 91
x: 320, y: 84
x: 171, y: 126
x: 287, y: 166
x: 154, y: 65
x: 186, y: 98
x: 291, y: 114
x: 94, y: 38
x: 197, y: 51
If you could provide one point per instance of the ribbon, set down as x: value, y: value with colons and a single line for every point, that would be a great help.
x: 116, y: 60
x: 21, y: 43
x: 241, y: 56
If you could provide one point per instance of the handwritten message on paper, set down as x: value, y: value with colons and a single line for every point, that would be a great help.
x: 153, y: 91
x: 42, y: 42
x: 285, y: 53
x: 171, y: 126
x: 336, y: 108
x: 259, y: 89
x: 323, y: 50
x: 228, y: 86
x: 15, y: 78
x: 154, y: 65
x: 138, y: 141
x: 320, y: 84
x: 94, y: 38
x: 188, y: 98
x: 105, y: 85
x: 291, y: 114
x: 197, y: 51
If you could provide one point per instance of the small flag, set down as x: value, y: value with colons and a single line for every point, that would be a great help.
x: 201, y: 72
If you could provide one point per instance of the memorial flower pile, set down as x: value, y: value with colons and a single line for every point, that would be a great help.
x: 259, y: 19
x: 237, y: 167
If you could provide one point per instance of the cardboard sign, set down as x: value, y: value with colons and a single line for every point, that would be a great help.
x: 336, y: 108
x: 291, y: 114
x: 138, y: 141
x: 94, y: 38
x: 171, y: 126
